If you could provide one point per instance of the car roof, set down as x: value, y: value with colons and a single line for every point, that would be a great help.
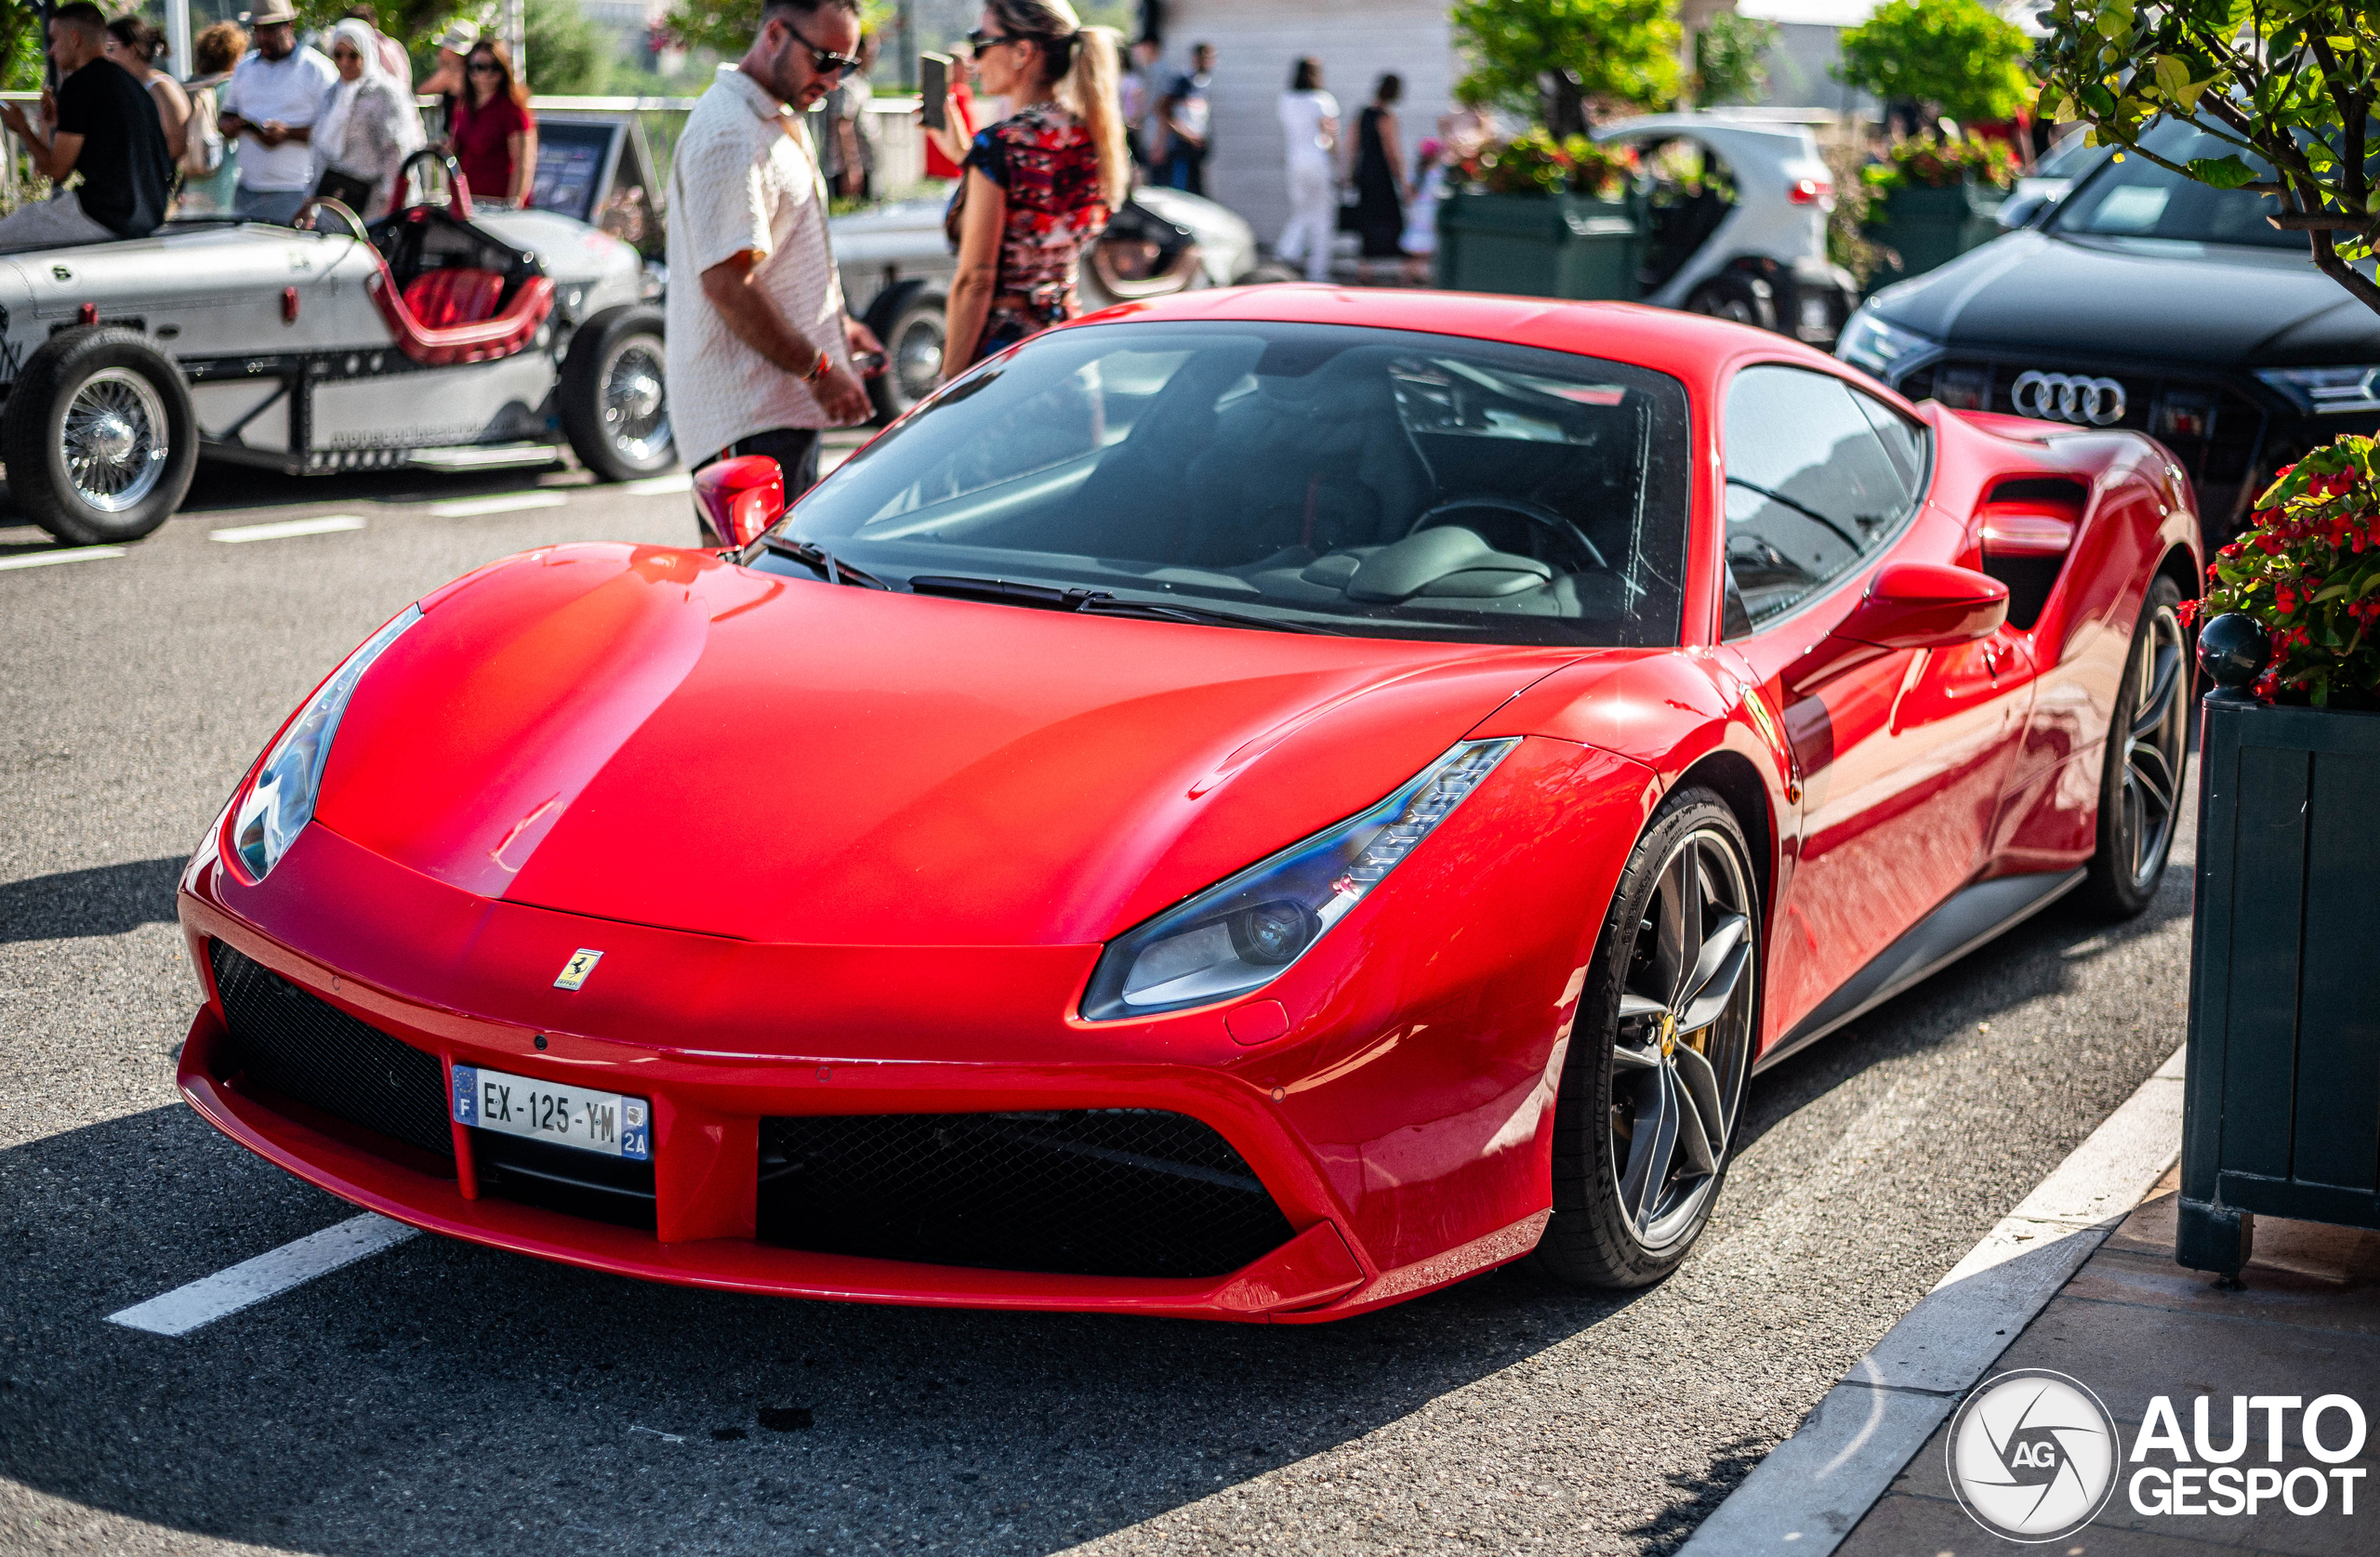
x: 1690, y: 347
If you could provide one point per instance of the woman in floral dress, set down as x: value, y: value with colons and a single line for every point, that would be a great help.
x: 1041, y: 183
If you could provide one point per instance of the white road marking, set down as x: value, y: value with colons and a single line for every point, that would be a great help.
x: 474, y: 508
x: 65, y: 554
x: 286, y: 529
x: 1817, y: 1485
x: 268, y: 1275
x: 654, y: 486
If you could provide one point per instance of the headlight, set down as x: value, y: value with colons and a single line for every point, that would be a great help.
x: 1881, y: 349
x: 282, y: 799
x: 2326, y: 390
x: 1239, y: 935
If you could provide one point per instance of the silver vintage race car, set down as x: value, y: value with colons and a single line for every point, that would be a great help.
x: 436, y: 334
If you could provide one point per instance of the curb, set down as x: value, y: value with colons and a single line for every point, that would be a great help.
x: 1806, y: 1496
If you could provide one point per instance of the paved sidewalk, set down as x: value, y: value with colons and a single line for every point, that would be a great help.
x: 2133, y: 1325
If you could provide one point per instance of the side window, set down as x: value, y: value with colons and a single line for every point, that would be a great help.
x: 1819, y: 477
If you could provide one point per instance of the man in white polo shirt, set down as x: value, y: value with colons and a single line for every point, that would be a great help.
x: 275, y: 96
x: 760, y: 350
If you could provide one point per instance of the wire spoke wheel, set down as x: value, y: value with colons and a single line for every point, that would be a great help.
x: 115, y: 440
x: 1684, y: 1039
x: 635, y: 408
x: 2151, y: 745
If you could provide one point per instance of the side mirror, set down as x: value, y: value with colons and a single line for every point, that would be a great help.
x: 740, y: 498
x: 1925, y: 605
x: 2020, y: 211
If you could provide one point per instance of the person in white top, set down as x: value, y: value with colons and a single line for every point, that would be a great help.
x: 393, y: 59
x: 760, y: 349
x: 1309, y: 126
x: 1420, y: 240
x: 275, y: 96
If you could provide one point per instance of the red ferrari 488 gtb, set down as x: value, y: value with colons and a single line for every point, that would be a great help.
x: 1254, y: 806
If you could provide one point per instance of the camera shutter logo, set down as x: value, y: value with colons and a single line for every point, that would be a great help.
x: 2061, y: 397
x: 2033, y: 1456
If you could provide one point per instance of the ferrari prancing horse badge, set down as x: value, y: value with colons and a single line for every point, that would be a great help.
x: 574, y: 972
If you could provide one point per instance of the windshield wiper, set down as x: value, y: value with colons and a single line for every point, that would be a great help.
x: 1806, y: 511
x: 1091, y: 603
x: 816, y: 557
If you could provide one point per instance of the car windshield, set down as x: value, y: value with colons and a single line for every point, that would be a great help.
x: 2135, y: 198
x: 1313, y: 477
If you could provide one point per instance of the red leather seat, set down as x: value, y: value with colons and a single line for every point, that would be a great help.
x: 438, y: 299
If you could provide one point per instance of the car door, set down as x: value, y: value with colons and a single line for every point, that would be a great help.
x: 1901, y: 754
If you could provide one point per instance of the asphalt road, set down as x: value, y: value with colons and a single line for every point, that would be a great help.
x: 439, y: 1399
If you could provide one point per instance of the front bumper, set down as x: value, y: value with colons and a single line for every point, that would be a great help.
x: 1353, y: 1131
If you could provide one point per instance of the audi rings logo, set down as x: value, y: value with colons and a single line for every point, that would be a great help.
x: 2033, y: 1456
x: 2061, y: 397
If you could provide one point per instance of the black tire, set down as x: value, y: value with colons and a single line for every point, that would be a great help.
x: 1626, y: 1207
x: 124, y: 405
x: 1730, y: 296
x: 615, y: 407
x: 2148, y: 754
x: 910, y: 318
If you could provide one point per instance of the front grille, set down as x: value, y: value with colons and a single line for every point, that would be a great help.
x: 1118, y: 1192
x: 302, y: 1047
x: 2212, y: 428
x: 564, y: 1179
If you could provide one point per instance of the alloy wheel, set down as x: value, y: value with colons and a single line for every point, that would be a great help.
x: 2152, y: 746
x: 1684, y: 1042
x: 916, y: 352
x: 115, y: 440
x: 636, y: 408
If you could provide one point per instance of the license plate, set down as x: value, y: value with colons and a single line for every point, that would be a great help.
x: 605, y: 1122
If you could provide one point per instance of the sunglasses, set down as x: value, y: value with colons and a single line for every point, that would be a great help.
x: 979, y: 40
x: 486, y: 68
x: 824, y: 61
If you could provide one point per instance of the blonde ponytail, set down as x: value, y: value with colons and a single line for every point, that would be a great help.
x: 1091, y: 91
x: 1086, y: 71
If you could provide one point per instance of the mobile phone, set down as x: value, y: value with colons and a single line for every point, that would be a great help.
x: 869, y: 363
x: 934, y: 84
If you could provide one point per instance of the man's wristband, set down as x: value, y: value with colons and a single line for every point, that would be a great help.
x: 819, y: 369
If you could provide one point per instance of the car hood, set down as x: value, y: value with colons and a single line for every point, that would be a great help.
x: 652, y: 735
x: 2123, y: 297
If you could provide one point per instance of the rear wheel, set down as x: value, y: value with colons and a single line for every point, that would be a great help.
x: 1659, y: 1050
x: 1741, y: 298
x: 910, y: 320
x: 615, y: 407
x: 2140, y: 783
x: 99, y: 436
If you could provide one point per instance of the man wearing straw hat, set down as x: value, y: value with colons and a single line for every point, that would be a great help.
x: 274, y: 97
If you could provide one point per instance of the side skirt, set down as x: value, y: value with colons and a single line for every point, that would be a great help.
x: 1971, y: 917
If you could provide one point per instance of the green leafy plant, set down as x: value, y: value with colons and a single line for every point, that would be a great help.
x: 1537, y: 164
x: 2307, y: 569
x: 1936, y: 163
x: 1549, y: 58
x: 727, y: 25
x: 1728, y: 58
x: 2288, y: 87
x: 1952, y: 54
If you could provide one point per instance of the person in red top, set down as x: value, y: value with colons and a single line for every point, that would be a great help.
x: 495, y: 139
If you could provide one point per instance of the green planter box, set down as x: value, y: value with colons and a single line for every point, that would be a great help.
x: 2281, y: 1112
x: 1928, y: 227
x: 1538, y: 245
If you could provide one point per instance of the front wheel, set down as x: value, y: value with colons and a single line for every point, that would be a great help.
x: 615, y: 407
x: 1659, y: 1050
x: 910, y: 320
x: 99, y: 436
x: 2140, y: 782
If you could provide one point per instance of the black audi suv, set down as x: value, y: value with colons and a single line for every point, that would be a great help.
x: 2143, y: 300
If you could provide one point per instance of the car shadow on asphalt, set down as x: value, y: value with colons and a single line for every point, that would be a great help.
x: 442, y: 1397
x: 104, y: 899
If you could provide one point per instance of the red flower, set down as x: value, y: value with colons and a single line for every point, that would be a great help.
x: 2188, y: 611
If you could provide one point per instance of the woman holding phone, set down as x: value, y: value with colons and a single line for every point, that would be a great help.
x: 1041, y: 183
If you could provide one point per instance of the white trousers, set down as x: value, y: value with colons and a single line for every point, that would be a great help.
x: 50, y: 223
x: 1313, y: 220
